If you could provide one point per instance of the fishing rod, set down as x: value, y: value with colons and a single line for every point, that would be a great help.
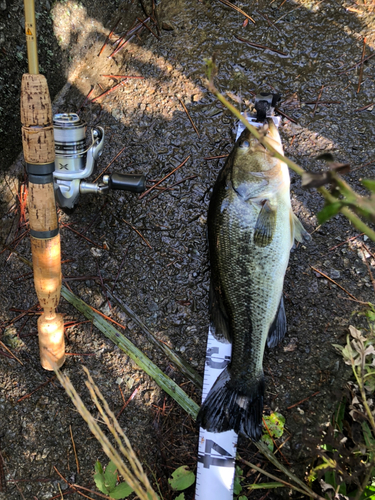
x: 39, y: 153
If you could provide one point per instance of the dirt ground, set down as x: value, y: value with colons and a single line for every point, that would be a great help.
x: 163, y: 275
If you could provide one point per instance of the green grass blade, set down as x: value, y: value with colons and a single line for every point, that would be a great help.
x: 183, y: 366
x: 134, y: 353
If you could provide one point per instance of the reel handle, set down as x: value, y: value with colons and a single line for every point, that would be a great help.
x: 126, y: 182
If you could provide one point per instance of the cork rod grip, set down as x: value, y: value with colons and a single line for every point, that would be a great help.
x: 39, y: 153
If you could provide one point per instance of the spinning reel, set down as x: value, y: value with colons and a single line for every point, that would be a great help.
x: 74, y: 162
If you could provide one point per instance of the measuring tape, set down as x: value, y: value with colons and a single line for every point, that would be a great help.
x: 216, y: 451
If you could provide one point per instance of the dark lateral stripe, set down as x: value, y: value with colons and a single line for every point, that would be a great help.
x: 40, y: 169
x: 41, y: 179
x: 44, y: 235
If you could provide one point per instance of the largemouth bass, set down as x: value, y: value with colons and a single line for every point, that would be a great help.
x: 251, y: 229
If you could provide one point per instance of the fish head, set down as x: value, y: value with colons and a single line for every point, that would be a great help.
x: 254, y: 167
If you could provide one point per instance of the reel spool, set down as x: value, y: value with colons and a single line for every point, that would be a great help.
x: 74, y: 162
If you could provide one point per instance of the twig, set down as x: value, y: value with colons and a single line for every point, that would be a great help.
x: 289, y: 12
x: 355, y: 300
x: 361, y: 68
x: 122, y: 76
x: 317, y: 101
x: 365, y: 107
x: 37, y: 389
x: 259, y: 46
x: 188, y: 115
x: 132, y: 31
x: 109, y: 164
x: 169, y: 188
x: 163, y: 179
x: 2, y: 353
x: 285, y: 115
x: 215, y: 157
x: 109, y: 36
x: 228, y: 4
x: 81, y: 235
x: 119, y: 269
x: 108, y: 318
x: 10, y: 352
x: 357, y: 64
x: 102, y: 283
x: 139, y: 234
x: 271, y: 476
x: 127, y: 402
x: 366, y: 164
x: 321, y: 103
x: 148, y: 27
x: 74, y: 448
x: 271, y: 457
x: 106, y: 92
x: 302, y: 400
x: 335, y: 283
x: 268, y: 21
x: 71, y: 486
x: 347, y: 241
x: 90, y: 491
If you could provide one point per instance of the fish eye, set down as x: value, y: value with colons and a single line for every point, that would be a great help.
x: 245, y: 144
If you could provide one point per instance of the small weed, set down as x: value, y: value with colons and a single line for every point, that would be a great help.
x: 182, y: 478
x: 274, y: 425
x: 237, y: 487
x: 106, y: 481
x: 346, y: 463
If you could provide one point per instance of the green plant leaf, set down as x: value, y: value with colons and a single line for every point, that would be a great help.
x: 369, y: 184
x: 329, y: 211
x: 242, y: 497
x: 110, y: 476
x: 181, y: 479
x: 266, y: 438
x: 99, y: 478
x: 237, y: 487
x: 339, y: 417
x: 122, y: 490
x: 368, y: 493
x: 275, y: 423
x: 181, y: 496
x: 98, y: 467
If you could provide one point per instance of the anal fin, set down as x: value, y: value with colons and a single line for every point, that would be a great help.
x: 219, y: 320
x: 278, y: 328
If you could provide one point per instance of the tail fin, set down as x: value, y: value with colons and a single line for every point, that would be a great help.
x: 230, y: 405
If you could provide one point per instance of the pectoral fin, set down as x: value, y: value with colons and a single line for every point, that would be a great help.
x: 265, y: 225
x: 298, y: 231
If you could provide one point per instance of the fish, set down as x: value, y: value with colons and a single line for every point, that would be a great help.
x: 251, y: 230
